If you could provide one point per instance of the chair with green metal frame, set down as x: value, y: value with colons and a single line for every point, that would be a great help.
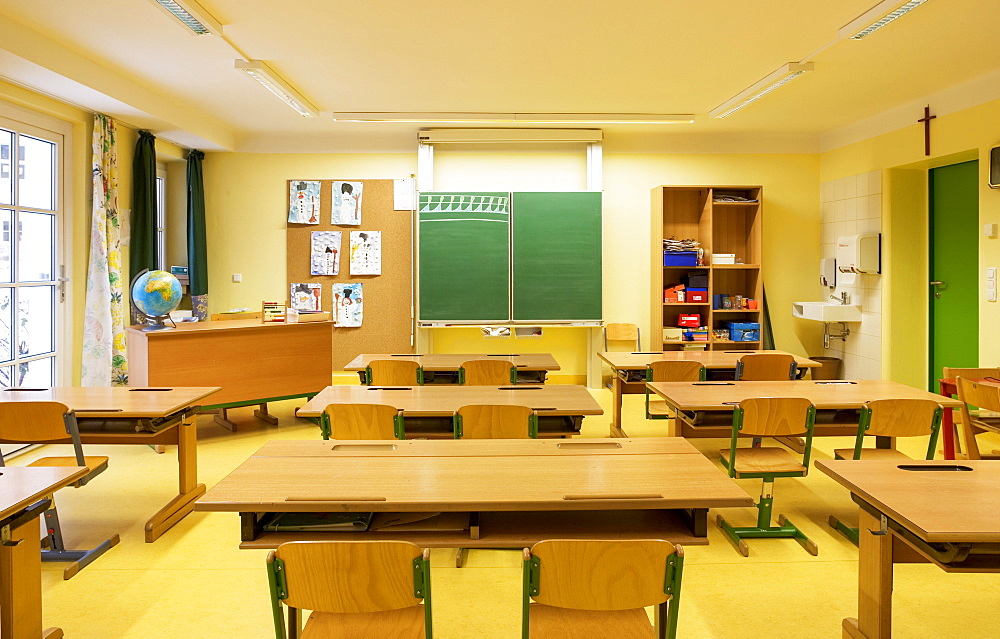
x: 393, y: 372
x: 890, y: 418
x: 362, y: 421
x: 599, y: 588
x: 52, y: 422
x: 353, y: 588
x: 670, y: 371
x: 768, y: 417
x: 766, y: 367
x: 495, y: 421
x: 487, y: 372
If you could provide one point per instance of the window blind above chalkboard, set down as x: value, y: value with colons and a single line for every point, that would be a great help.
x: 498, y: 257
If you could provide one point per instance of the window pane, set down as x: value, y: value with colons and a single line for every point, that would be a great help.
x: 6, y: 170
x: 35, y: 246
x: 35, y: 320
x: 34, y: 374
x: 6, y: 220
x: 5, y: 376
x: 34, y: 173
x: 6, y: 325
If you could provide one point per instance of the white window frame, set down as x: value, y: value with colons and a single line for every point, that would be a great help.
x: 161, y: 216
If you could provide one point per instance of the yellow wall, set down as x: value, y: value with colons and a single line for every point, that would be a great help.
x: 955, y: 137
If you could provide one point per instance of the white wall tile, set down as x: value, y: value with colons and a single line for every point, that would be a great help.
x: 829, y: 249
x: 839, y: 190
x: 826, y: 212
x: 851, y: 209
x: 839, y: 210
x: 850, y: 187
x: 826, y: 192
x: 861, y: 180
x: 874, y: 182
x: 874, y: 205
x: 850, y: 227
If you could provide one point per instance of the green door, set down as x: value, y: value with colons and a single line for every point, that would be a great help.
x: 954, y: 268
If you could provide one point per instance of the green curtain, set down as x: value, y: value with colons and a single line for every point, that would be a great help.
x: 197, y: 246
x: 142, y: 240
x: 766, y: 334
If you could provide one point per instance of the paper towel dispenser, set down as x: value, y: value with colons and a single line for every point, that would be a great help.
x: 859, y: 253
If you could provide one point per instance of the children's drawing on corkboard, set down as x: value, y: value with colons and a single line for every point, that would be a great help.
x: 347, y: 202
x: 366, y: 252
x: 303, y: 202
x: 324, y: 255
x: 348, y: 305
x: 307, y: 297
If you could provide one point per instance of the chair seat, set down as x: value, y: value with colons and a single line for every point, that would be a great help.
x: 660, y: 409
x: 754, y: 461
x: 95, y: 464
x: 990, y: 423
x: 870, y: 453
x: 404, y: 623
x: 565, y: 623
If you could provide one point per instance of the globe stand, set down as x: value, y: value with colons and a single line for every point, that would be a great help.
x: 158, y: 323
x: 153, y: 322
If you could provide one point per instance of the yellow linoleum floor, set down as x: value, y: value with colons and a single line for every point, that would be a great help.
x: 195, y: 583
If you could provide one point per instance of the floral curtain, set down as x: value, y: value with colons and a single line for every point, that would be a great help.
x: 104, y: 359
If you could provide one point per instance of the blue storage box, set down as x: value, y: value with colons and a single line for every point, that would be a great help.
x: 744, y: 331
x: 680, y: 258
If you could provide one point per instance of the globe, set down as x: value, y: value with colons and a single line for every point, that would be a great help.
x: 156, y: 293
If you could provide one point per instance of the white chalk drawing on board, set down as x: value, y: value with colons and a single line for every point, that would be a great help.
x: 366, y: 252
x: 346, y: 207
x: 324, y: 255
x: 303, y: 202
x: 307, y: 297
x: 348, y: 305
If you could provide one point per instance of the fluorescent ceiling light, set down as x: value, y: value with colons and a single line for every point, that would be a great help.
x: 192, y: 15
x: 877, y: 17
x: 513, y: 118
x: 273, y: 83
x: 759, y: 89
x: 500, y: 135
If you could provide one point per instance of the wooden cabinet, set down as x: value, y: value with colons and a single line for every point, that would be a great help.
x: 724, y: 220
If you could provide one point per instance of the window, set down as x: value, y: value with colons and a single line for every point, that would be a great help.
x: 161, y: 217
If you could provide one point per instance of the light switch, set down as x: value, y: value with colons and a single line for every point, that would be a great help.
x: 237, y: 277
x: 990, y: 230
x: 991, y: 273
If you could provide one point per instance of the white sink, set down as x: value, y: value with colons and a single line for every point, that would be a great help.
x: 826, y: 312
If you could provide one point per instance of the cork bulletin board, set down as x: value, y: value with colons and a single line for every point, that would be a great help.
x: 387, y: 326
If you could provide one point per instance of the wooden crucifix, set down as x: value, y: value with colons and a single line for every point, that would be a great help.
x: 927, y: 128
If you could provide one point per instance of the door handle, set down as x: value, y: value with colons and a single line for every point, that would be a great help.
x: 937, y: 288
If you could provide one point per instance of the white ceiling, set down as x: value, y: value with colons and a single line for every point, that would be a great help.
x: 129, y: 59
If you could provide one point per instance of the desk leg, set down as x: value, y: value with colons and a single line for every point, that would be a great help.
x: 189, y: 489
x: 21, y: 585
x: 616, y: 406
x: 874, y: 583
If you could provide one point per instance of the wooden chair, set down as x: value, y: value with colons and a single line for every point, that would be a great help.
x: 393, y: 372
x: 766, y: 367
x: 487, y: 372
x: 768, y: 417
x: 353, y: 588
x: 53, y: 422
x: 890, y: 418
x: 670, y: 371
x: 622, y: 332
x: 594, y: 588
x: 362, y: 421
x: 495, y: 421
x: 985, y: 396
x: 985, y: 416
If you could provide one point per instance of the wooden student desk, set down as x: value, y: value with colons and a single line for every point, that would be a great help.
x: 526, y: 490
x: 622, y: 364
x: 427, y: 410
x: 24, y: 496
x: 110, y: 416
x: 958, y: 512
x: 531, y: 367
x: 706, y: 406
x: 251, y: 362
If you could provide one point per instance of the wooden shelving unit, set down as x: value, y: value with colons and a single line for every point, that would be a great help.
x: 721, y: 227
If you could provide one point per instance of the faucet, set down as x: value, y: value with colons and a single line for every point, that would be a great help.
x: 843, y: 299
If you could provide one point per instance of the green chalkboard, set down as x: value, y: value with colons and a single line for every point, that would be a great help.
x: 557, y: 249
x: 464, y: 256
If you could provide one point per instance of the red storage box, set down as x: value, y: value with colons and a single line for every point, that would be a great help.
x: 697, y: 295
x: 689, y: 320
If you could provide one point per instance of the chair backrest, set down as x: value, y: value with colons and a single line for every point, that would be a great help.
x: 622, y: 332
x: 899, y: 418
x: 495, y: 421
x: 949, y: 372
x: 348, y: 576
x: 393, y: 372
x: 675, y: 371
x: 603, y: 575
x: 775, y: 416
x: 765, y: 367
x: 985, y: 396
x: 35, y: 422
x: 487, y: 372
x: 364, y: 421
